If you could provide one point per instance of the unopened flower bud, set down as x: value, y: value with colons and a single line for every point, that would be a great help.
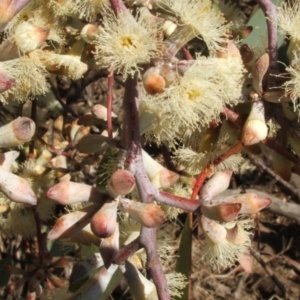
x: 89, y: 33
x: 224, y: 212
x: 121, y: 182
x: 98, y: 284
x: 29, y: 37
x: 168, y: 28
x: 6, y: 82
x: 16, y: 188
x: 218, y: 183
x: 104, y: 222
x: 100, y: 112
x: 109, y: 247
x: 160, y: 176
x: 229, y: 50
x: 68, y: 192
x: 236, y: 233
x: 213, y: 230
x: 255, y: 128
x: 153, y: 82
x: 17, y: 132
x: 140, y: 286
x: 251, y: 203
x: 68, y: 225
x: 147, y: 214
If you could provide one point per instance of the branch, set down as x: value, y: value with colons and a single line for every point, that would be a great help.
x: 110, y: 84
x: 131, y: 142
x: 270, y: 12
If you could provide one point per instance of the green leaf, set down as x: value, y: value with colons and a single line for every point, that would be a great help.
x: 259, y: 35
x: 183, y: 264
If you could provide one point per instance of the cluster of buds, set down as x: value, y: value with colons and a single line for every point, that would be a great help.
x: 227, y: 235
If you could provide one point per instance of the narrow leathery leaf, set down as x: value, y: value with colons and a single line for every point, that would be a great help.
x: 104, y: 222
x: 69, y: 224
x: 215, y: 185
x: 16, y: 188
x: 109, y: 247
x: 224, y: 212
x: 147, y: 214
x: 93, y: 143
x: 184, y: 262
x: 121, y: 182
x: 69, y: 192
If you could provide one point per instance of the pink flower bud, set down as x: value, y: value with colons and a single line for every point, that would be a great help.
x: 68, y: 192
x: 160, y: 176
x: 109, y: 247
x: 225, y: 212
x: 16, y: 132
x: 147, y: 214
x: 6, y: 82
x: 121, y: 182
x: 100, y: 112
x: 68, y: 225
x: 213, y: 230
x: 251, y: 203
x: 216, y: 184
x: 89, y: 33
x: 16, y: 188
x: 104, y: 222
x: 97, y: 284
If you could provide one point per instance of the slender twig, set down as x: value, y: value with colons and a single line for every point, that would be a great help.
x: 206, y: 172
x: 270, y: 12
x: 56, y: 93
x: 237, y: 120
x: 117, y: 5
x: 269, y: 271
x: 259, y: 163
x: 131, y: 142
x: 39, y: 234
x: 110, y: 84
x: 33, y: 117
